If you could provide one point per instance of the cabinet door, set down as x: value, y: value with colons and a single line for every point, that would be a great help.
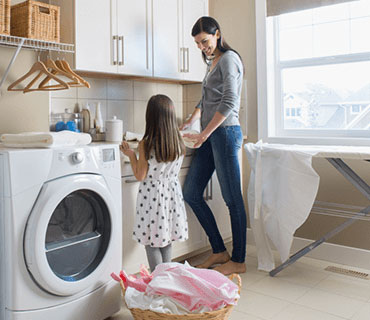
x: 133, y: 253
x: 94, y: 35
x: 195, y: 68
x: 166, y: 39
x: 134, y: 37
x: 197, y: 236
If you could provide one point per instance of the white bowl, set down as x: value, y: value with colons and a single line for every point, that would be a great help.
x: 189, y: 143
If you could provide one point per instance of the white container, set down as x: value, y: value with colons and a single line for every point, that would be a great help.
x: 98, y: 119
x: 113, y: 130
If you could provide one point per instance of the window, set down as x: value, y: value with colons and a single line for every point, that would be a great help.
x: 316, y: 68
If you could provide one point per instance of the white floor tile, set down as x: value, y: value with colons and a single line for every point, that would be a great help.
x: 302, y: 274
x: 294, y: 312
x: 237, y: 315
x: 279, y: 289
x: 330, y: 303
x: 346, y: 286
x: 260, y: 305
x: 363, y: 313
x: 251, y: 277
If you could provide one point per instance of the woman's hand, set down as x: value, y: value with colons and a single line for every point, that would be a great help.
x: 198, y: 139
x: 125, y: 148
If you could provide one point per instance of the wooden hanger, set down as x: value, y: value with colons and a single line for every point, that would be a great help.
x: 56, y: 69
x: 42, y: 70
x: 66, y: 67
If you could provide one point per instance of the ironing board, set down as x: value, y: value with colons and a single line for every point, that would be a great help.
x: 282, y: 190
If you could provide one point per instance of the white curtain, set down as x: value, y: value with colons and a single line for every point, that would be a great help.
x: 276, y: 7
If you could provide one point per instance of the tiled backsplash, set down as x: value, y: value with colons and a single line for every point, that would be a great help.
x: 127, y: 99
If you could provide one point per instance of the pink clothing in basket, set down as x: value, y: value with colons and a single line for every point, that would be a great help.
x: 191, y: 287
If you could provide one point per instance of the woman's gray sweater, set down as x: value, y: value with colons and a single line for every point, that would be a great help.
x: 221, y: 90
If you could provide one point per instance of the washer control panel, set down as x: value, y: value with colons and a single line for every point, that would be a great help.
x: 94, y: 158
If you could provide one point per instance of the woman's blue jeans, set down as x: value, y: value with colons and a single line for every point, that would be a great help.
x: 219, y: 152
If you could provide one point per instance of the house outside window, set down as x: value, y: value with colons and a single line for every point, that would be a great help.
x: 313, y: 70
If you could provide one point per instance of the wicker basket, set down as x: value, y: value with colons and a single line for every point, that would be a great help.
x: 35, y: 20
x: 221, y: 314
x: 5, y: 17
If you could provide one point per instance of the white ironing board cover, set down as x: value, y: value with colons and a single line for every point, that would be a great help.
x: 343, y: 152
x: 282, y: 189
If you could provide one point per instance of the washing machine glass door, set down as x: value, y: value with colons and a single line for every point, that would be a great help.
x: 69, y: 232
x: 77, y: 235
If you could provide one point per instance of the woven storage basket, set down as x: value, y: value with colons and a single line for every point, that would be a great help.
x: 5, y: 17
x: 221, y: 314
x: 35, y: 20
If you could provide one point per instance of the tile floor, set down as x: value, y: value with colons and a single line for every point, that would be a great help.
x: 303, y: 291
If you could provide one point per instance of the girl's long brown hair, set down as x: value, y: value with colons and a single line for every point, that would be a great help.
x: 162, y: 133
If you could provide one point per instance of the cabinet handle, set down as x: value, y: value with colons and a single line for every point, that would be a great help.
x: 114, y: 50
x: 210, y: 185
x: 131, y: 181
x: 181, y: 59
x: 121, y: 61
x: 187, y: 60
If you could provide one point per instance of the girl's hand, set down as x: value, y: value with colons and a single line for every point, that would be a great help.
x: 199, y: 138
x: 125, y: 148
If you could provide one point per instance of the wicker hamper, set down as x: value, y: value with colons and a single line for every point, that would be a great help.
x: 221, y: 314
x: 35, y: 20
x: 5, y: 17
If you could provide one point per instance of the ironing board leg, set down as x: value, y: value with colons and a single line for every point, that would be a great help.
x: 361, y: 185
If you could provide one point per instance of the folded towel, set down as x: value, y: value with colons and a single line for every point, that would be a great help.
x: 45, y: 139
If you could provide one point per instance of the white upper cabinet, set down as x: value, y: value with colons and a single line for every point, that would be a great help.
x: 150, y: 38
x: 194, y: 66
x: 114, y: 36
x: 166, y: 39
x: 134, y: 30
x: 175, y: 54
x: 93, y: 36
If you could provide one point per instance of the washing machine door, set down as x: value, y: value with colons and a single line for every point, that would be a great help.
x: 69, y: 237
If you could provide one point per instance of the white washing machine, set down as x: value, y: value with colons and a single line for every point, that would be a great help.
x: 60, y: 233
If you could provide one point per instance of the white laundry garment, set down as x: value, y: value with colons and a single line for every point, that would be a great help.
x: 162, y: 304
x: 281, y: 192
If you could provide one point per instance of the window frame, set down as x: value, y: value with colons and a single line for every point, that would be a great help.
x: 270, y: 119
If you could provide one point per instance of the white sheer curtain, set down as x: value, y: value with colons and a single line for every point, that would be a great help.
x: 276, y: 7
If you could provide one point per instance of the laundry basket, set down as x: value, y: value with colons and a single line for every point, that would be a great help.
x: 221, y: 314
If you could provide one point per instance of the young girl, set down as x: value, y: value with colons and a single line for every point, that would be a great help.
x: 160, y: 211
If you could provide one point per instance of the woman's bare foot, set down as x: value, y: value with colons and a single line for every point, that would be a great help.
x: 231, y: 267
x: 215, y: 258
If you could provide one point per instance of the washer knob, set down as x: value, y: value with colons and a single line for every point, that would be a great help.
x: 77, y: 157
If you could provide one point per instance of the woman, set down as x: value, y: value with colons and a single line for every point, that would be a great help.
x: 219, y: 142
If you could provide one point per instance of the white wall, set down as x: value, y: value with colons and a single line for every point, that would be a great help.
x: 18, y: 111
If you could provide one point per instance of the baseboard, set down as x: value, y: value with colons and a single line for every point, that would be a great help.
x: 350, y: 256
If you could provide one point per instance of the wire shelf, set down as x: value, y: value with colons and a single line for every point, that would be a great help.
x: 12, y: 41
